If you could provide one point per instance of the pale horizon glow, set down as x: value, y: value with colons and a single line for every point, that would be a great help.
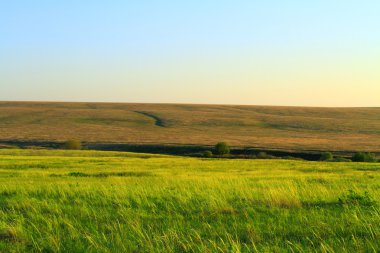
x: 285, y: 53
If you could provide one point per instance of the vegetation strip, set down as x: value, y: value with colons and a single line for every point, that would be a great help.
x: 59, y: 201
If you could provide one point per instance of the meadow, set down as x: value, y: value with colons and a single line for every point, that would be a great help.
x: 93, y: 201
x: 266, y: 127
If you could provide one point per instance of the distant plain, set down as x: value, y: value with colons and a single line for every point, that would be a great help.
x: 269, y: 127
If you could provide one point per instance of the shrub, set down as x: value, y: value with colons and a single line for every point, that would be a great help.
x: 364, y: 157
x: 326, y: 156
x: 222, y: 148
x: 264, y: 155
x: 261, y: 155
x: 73, y: 145
x: 207, y: 154
x: 341, y: 159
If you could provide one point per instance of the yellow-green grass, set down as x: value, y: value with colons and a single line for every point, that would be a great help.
x: 87, y: 201
x: 291, y: 128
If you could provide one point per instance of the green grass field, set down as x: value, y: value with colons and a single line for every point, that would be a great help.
x: 88, y: 201
x: 266, y: 127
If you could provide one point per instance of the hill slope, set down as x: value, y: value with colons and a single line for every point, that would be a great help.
x: 296, y: 128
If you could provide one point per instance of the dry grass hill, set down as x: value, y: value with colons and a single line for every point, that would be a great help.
x: 290, y: 128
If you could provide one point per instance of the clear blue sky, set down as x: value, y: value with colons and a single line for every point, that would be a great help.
x: 316, y: 53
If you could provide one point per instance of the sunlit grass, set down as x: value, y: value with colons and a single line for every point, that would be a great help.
x: 76, y: 201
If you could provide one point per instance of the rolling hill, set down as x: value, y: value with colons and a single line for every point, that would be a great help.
x: 287, y: 128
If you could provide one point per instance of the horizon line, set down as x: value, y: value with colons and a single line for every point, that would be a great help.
x: 177, y: 103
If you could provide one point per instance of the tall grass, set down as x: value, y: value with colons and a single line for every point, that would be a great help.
x: 84, y: 201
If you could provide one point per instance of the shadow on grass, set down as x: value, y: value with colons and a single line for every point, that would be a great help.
x: 368, y: 169
x: 112, y: 174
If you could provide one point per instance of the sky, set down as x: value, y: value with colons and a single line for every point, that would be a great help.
x: 275, y: 52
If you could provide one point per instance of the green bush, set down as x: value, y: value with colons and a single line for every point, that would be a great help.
x: 207, y: 154
x: 326, y: 156
x: 341, y: 159
x: 264, y: 155
x: 261, y: 155
x: 364, y: 157
x: 73, y: 145
x: 222, y: 148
